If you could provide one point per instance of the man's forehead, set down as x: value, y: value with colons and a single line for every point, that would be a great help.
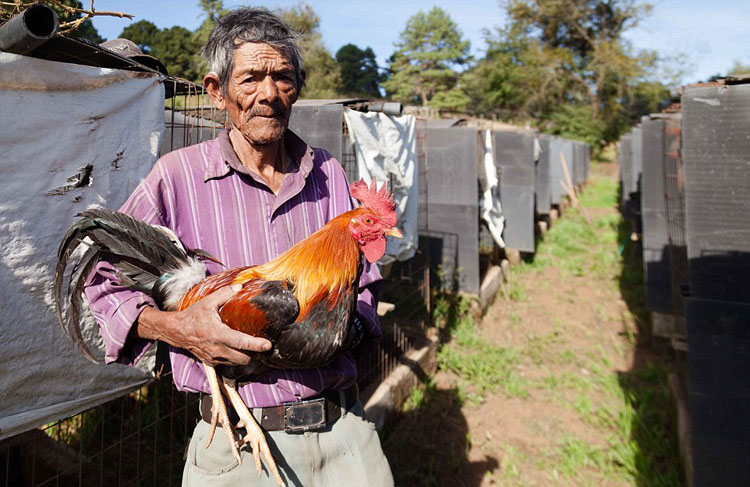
x: 260, y: 54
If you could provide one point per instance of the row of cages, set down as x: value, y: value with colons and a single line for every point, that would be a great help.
x: 685, y: 177
x: 140, y: 437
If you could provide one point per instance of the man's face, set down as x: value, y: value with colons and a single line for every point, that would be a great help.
x: 260, y: 92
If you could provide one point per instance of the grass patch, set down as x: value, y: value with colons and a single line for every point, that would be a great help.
x: 537, y: 348
x: 483, y: 368
x: 419, y: 395
x: 581, y: 249
x: 574, y: 454
x: 601, y: 193
x: 516, y: 291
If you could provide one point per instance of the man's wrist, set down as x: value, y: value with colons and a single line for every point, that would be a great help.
x: 150, y: 324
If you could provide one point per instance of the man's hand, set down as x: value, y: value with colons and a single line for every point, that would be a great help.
x: 199, y: 330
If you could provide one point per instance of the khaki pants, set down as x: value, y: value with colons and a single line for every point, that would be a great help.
x: 348, y: 453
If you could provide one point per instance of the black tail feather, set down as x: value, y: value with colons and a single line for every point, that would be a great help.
x: 140, y: 252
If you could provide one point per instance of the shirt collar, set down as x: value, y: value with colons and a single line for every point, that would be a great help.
x: 227, y: 159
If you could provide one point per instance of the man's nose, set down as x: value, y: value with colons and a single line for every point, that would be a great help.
x: 268, y: 89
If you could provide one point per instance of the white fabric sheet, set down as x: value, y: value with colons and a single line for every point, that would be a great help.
x: 490, y: 209
x: 386, y: 149
x: 58, y: 118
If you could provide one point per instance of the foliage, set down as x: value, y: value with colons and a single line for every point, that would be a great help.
x: 174, y: 47
x: 143, y: 33
x: 212, y: 10
x: 561, y: 65
x: 739, y: 68
x: 323, y: 76
x: 359, y: 71
x: 600, y: 66
x: 429, y: 50
x: 575, y: 121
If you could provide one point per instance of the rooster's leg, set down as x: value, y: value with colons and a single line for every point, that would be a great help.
x: 254, y: 437
x: 219, y: 413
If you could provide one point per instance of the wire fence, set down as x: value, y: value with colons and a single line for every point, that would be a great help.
x: 138, y: 439
x: 674, y: 196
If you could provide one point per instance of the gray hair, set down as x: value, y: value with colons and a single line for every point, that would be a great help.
x: 250, y: 24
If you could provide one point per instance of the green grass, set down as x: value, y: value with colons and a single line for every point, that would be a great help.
x: 601, y: 193
x: 538, y: 346
x: 580, y: 249
x: 483, y: 368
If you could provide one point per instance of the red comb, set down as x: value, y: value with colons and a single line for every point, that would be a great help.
x: 381, y: 202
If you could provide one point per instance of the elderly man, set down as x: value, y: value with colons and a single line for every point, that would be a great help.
x: 245, y: 198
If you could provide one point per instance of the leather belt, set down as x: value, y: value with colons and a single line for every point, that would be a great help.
x: 311, y: 414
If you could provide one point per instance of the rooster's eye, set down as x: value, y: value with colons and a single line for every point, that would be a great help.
x: 368, y: 220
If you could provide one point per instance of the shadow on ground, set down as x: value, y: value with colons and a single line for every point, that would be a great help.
x: 427, y: 445
x: 431, y: 444
x: 645, y: 385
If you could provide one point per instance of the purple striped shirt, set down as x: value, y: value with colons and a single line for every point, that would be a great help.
x: 212, y: 202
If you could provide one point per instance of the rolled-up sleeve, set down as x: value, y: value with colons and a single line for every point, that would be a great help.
x: 115, y: 307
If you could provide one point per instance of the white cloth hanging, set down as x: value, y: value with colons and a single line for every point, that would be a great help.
x: 490, y: 209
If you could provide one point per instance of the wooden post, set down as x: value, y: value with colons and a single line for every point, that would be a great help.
x: 570, y: 189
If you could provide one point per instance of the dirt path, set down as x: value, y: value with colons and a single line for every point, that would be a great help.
x: 557, y: 385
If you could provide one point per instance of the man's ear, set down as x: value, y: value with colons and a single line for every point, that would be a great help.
x: 213, y: 86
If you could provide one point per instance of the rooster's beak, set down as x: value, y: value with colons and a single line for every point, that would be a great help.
x: 394, y: 232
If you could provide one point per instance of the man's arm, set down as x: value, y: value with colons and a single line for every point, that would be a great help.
x: 130, y: 321
x: 199, y: 330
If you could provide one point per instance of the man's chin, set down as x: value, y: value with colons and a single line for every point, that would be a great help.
x: 265, y: 135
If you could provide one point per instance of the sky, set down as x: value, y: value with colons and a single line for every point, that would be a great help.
x: 706, y: 37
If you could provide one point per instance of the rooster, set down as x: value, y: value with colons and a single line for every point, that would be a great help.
x: 302, y: 301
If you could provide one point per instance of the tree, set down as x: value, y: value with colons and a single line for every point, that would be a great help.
x: 519, y: 78
x: 602, y: 73
x: 177, y: 49
x: 429, y: 52
x: 323, y: 76
x: 144, y: 33
x: 359, y: 71
x: 174, y: 47
x: 212, y: 10
x: 739, y: 68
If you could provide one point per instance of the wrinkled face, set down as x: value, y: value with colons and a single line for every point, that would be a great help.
x: 260, y: 92
x: 370, y: 232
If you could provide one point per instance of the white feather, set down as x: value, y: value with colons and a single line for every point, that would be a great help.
x: 181, y: 281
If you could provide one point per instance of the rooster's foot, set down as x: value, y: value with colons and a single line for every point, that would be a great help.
x: 219, y: 414
x: 254, y: 435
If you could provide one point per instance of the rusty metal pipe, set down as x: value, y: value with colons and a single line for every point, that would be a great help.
x: 29, y: 29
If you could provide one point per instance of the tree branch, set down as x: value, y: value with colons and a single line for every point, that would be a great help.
x: 66, y: 27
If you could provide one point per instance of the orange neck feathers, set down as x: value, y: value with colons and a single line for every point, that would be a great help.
x: 323, y: 264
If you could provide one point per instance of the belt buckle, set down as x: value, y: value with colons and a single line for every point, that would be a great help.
x: 305, y: 416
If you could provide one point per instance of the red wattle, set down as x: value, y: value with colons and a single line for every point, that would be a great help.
x: 374, y: 249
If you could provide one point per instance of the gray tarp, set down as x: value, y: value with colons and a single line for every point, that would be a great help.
x: 386, y: 148
x: 58, y: 118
